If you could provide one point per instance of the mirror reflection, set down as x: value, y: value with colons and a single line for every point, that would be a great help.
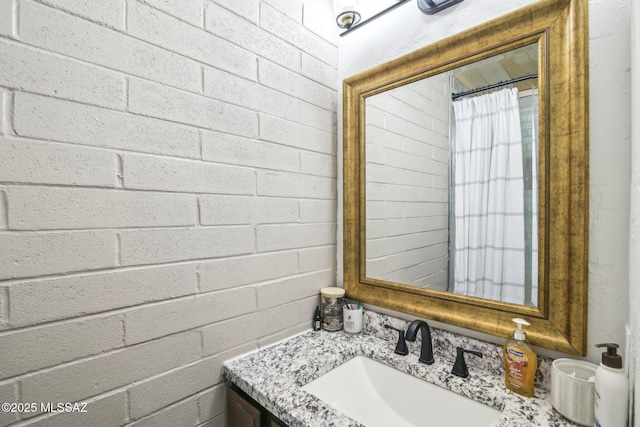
x: 451, y: 180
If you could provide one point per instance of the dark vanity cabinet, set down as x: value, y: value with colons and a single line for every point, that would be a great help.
x: 243, y: 411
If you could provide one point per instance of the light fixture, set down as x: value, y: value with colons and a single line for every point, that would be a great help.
x: 349, y: 18
x: 434, y: 6
x: 347, y: 15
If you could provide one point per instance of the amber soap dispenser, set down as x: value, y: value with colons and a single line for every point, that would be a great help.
x: 520, y: 361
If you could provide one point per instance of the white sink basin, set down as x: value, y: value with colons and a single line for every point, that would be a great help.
x: 377, y: 395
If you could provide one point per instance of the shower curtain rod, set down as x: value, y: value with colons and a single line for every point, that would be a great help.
x: 455, y: 96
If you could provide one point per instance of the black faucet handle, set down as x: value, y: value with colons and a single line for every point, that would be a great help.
x: 460, y: 366
x: 401, y: 346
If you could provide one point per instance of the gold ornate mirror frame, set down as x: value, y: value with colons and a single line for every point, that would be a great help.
x: 560, y: 320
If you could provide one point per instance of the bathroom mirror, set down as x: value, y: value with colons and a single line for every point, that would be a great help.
x: 440, y: 213
x: 551, y: 37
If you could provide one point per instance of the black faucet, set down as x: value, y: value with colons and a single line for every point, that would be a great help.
x: 426, y: 350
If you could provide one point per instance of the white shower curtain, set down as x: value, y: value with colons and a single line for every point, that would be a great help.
x: 489, y: 198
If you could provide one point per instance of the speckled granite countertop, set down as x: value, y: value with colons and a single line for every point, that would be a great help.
x: 273, y: 376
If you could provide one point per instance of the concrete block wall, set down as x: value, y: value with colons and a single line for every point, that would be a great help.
x: 407, y: 157
x: 167, y: 199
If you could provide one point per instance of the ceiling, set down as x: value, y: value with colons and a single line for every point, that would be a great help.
x: 500, y: 68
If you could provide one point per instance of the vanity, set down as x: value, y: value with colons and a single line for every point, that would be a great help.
x: 400, y: 250
x: 274, y: 377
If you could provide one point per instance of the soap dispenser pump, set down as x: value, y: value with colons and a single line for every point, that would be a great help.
x: 611, y: 390
x: 520, y: 362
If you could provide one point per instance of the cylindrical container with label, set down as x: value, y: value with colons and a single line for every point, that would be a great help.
x: 332, y: 302
x: 353, y: 318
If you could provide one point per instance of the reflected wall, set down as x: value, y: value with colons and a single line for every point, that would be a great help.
x: 407, y: 175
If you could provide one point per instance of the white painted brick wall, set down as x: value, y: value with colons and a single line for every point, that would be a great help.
x: 156, y: 100
x: 184, y: 413
x: 294, y: 84
x: 249, y: 10
x: 145, y: 323
x: 33, y: 70
x: 49, y: 345
x: 230, y: 149
x: 318, y: 71
x: 318, y: 210
x: 318, y: 164
x: 139, y: 247
x: 228, y: 334
x: 157, y: 393
x: 78, y: 295
x: 192, y: 12
x: 161, y: 29
x: 279, y: 24
x: 295, y: 135
x: 238, y: 271
x: 273, y: 293
x: 39, y: 208
x: 249, y: 94
x: 314, y: 259
x: 229, y: 26
x: 167, y: 198
x: 5, y: 100
x: 297, y: 185
x: 60, y: 32
x: 232, y: 210
x: 164, y: 174
x: 106, y: 12
x: 32, y: 162
x: 46, y: 118
x: 6, y: 17
x: 107, y: 409
x: 210, y: 402
x: 8, y: 393
x: 3, y: 210
x: 275, y: 237
x: 37, y: 254
x: 112, y: 370
x: 316, y: 117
